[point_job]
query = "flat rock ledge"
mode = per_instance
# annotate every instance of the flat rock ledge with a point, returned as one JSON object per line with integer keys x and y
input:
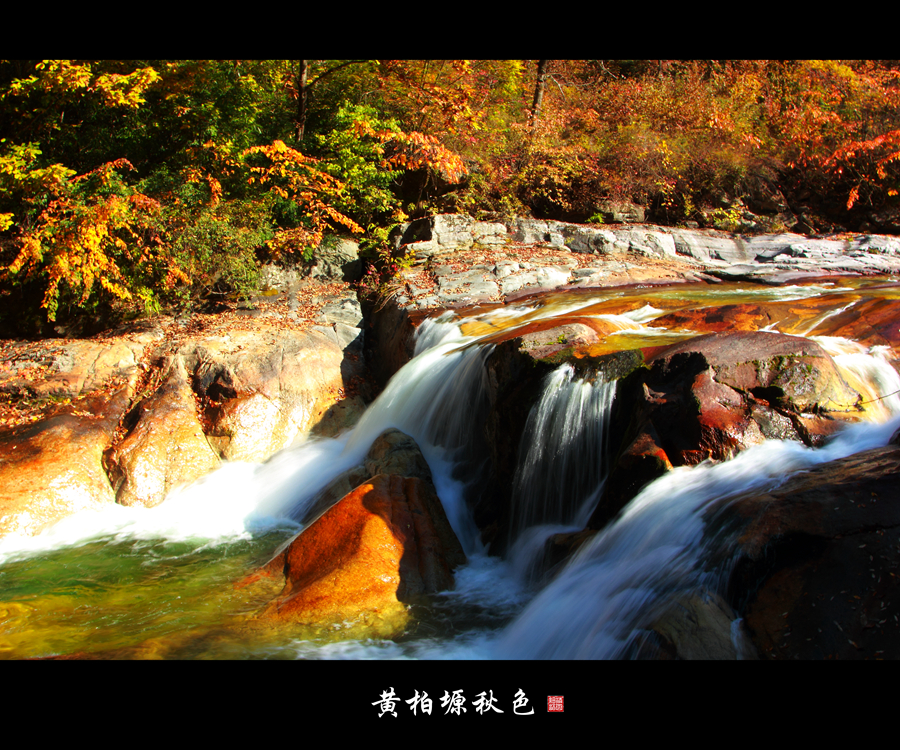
{"x": 458, "y": 261}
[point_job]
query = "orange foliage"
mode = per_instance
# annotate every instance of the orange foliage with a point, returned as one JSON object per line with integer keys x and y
{"x": 80, "y": 242}
{"x": 295, "y": 177}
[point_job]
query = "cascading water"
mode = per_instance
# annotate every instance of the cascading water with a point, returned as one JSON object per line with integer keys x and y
{"x": 562, "y": 463}
{"x": 596, "y": 607}
{"x": 617, "y": 583}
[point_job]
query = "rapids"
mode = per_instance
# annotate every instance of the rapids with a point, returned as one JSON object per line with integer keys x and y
{"x": 160, "y": 582}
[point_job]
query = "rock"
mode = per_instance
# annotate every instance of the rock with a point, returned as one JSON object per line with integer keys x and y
{"x": 740, "y": 317}
{"x": 340, "y": 417}
{"x": 167, "y": 446}
{"x": 54, "y": 468}
{"x": 239, "y": 394}
{"x": 708, "y": 246}
{"x": 266, "y": 387}
{"x": 815, "y": 560}
{"x": 72, "y": 369}
{"x": 872, "y": 322}
{"x": 646, "y": 242}
{"x": 546, "y": 278}
{"x": 791, "y": 370}
{"x": 360, "y": 565}
{"x": 543, "y": 341}
{"x": 531, "y": 231}
{"x": 590, "y": 240}
{"x": 621, "y": 212}
{"x": 337, "y": 258}
{"x": 275, "y": 277}
{"x": 394, "y": 452}
{"x": 490, "y": 233}
{"x": 389, "y": 338}
{"x": 701, "y": 626}
{"x": 453, "y": 230}
{"x": 346, "y": 311}
{"x": 714, "y": 395}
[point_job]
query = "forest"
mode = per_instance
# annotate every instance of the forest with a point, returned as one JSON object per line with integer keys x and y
{"x": 130, "y": 188}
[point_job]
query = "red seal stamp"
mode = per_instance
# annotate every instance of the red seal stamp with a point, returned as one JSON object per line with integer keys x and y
{"x": 554, "y": 703}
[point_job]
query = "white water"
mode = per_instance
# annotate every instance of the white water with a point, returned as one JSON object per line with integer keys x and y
{"x": 562, "y": 463}
{"x": 608, "y": 591}
{"x": 605, "y": 595}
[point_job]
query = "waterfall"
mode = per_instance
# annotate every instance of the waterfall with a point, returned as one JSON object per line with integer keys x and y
{"x": 562, "y": 462}
{"x": 619, "y": 581}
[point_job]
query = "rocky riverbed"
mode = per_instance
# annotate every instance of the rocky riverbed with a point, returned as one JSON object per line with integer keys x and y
{"x": 128, "y": 416}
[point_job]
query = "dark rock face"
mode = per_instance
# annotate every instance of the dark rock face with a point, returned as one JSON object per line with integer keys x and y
{"x": 390, "y": 340}
{"x": 816, "y": 572}
{"x": 714, "y": 395}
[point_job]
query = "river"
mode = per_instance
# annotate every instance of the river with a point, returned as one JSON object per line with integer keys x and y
{"x": 160, "y": 582}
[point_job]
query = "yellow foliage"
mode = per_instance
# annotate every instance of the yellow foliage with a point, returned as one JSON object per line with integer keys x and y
{"x": 66, "y": 76}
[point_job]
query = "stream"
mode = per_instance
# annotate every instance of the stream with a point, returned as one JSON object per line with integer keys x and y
{"x": 160, "y": 582}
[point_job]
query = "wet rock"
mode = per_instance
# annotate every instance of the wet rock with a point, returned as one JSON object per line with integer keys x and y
{"x": 265, "y": 387}
{"x": 540, "y": 342}
{"x": 54, "y": 468}
{"x": 796, "y": 372}
{"x": 701, "y": 626}
{"x": 873, "y": 322}
{"x": 394, "y": 452}
{"x": 740, "y": 317}
{"x": 389, "y": 338}
{"x": 237, "y": 394}
{"x": 715, "y": 395}
{"x": 816, "y": 561}
{"x": 359, "y": 566}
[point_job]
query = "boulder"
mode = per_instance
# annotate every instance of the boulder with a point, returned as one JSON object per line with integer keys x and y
{"x": 337, "y": 259}
{"x": 167, "y": 446}
{"x": 53, "y": 468}
{"x": 709, "y": 246}
{"x": 791, "y": 370}
{"x": 815, "y": 562}
{"x": 263, "y": 388}
{"x": 384, "y": 546}
{"x": 714, "y": 395}
{"x": 699, "y": 626}
{"x": 237, "y": 395}
{"x": 621, "y": 212}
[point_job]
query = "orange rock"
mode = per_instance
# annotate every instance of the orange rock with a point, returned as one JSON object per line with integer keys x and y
{"x": 166, "y": 448}
{"x": 382, "y": 546}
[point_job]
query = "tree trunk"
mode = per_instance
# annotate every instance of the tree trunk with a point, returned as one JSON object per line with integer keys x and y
{"x": 542, "y": 72}
{"x": 302, "y": 98}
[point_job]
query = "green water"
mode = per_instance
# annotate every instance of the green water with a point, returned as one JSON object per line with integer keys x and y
{"x": 155, "y": 598}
